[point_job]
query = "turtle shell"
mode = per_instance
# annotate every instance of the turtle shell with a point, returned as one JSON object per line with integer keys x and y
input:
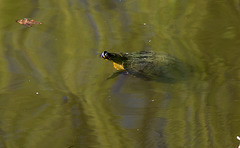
{"x": 151, "y": 65}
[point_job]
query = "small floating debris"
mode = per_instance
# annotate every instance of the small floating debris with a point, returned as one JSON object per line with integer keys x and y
{"x": 37, "y": 93}
{"x": 28, "y": 22}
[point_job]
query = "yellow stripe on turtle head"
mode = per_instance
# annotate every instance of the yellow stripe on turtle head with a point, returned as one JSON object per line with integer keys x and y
{"x": 103, "y": 55}
{"x": 118, "y": 66}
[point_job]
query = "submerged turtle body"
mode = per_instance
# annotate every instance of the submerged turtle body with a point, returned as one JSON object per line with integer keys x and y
{"x": 148, "y": 65}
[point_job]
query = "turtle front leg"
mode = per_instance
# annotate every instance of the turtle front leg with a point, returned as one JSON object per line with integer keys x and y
{"x": 115, "y": 74}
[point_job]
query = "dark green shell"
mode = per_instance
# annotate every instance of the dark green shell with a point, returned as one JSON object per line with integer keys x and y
{"x": 151, "y": 65}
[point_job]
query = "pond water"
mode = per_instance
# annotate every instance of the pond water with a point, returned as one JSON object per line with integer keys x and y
{"x": 54, "y": 90}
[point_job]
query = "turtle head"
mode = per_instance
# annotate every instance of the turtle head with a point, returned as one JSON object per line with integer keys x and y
{"x": 117, "y": 58}
{"x": 105, "y": 55}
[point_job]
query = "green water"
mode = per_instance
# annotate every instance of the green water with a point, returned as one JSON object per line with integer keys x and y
{"x": 53, "y": 87}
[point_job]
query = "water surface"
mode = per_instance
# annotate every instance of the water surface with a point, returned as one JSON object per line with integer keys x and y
{"x": 53, "y": 87}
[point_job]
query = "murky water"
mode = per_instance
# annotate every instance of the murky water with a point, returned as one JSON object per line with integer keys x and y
{"x": 53, "y": 87}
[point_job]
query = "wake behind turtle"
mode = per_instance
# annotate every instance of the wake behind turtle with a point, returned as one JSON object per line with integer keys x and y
{"x": 148, "y": 65}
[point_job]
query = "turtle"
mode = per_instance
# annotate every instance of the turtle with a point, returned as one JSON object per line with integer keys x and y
{"x": 148, "y": 65}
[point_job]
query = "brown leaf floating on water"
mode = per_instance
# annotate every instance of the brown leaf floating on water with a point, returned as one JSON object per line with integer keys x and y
{"x": 28, "y": 22}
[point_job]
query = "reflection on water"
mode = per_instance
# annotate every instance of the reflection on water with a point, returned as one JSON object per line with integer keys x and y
{"x": 54, "y": 91}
